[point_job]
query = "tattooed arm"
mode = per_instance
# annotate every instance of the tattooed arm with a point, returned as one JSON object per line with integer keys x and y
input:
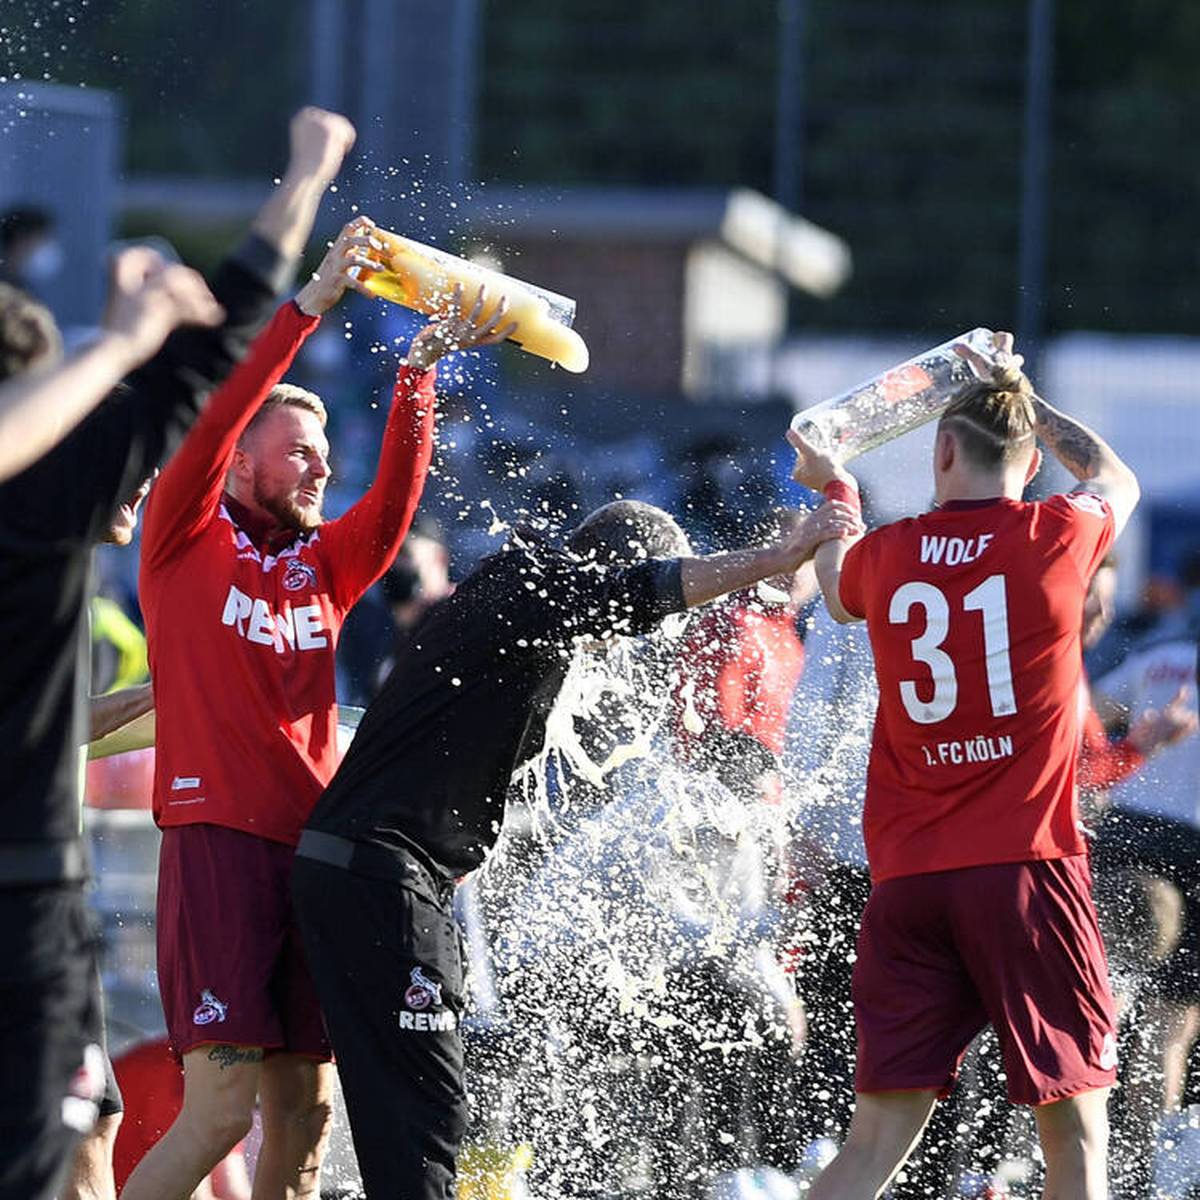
{"x": 1089, "y": 458}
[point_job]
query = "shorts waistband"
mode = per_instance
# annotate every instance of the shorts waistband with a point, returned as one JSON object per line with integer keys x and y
{"x": 42, "y": 862}
{"x": 395, "y": 865}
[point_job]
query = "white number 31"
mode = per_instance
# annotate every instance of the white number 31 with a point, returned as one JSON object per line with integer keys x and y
{"x": 989, "y": 599}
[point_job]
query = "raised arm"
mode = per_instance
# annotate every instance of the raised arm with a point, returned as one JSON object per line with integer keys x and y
{"x": 185, "y": 497}
{"x": 1084, "y": 453}
{"x": 188, "y": 491}
{"x": 822, "y": 472}
{"x": 320, "y": 141}
{"x": 115, "y": 450}
{"x": 1089, "y": 458}
{"x": 362, "y": 544}
{"x": 707, "y": 578}
{"x": 148, "y": 298}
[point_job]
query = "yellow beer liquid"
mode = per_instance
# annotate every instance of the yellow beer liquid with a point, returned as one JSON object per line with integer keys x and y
{"x": 491, "y": 1172}
{"x": 422, "y": 278}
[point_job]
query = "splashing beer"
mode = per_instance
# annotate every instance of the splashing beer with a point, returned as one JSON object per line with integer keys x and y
{"x": 423, "y": 278}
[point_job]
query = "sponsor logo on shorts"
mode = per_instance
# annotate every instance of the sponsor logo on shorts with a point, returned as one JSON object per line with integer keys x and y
{"x": 422, "y": 992}
{"x": 1108, "y": 1052}
{"x": 183, "y": 783}
{"x": 299, "y": 575}
{"x": 209, "y": 1009}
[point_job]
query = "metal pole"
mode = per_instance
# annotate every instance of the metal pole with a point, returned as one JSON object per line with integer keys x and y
{"x": 789, "y": 115}
{"x": 378, "y": 69}
{"x": 326, "y": 48}
{"x": 789, "y": 132}
{"x": 464, "y": 79}
{"x": 1035, "y": 172}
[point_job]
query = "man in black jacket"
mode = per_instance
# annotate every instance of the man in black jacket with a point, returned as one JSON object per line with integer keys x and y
{"x": 51, "y": 515}
{"x": 419, "y": 800}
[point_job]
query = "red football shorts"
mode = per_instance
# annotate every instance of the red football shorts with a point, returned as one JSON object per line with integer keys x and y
{"x": 231, "y": 968}
{"x": 1015, "y": 944}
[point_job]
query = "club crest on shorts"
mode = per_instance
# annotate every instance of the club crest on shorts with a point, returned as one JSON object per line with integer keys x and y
{"x": 88, "y": 1081}
{"x": 422, "y": 992}
{"x": 80, "y": 1105}
{"x": 299, "y": 575}
{"x": 1108, "y": 1052}
{"x": 209, "y": 1009}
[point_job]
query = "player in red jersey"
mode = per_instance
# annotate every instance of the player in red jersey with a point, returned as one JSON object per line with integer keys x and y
{"x": 244, "y": 588}
{"x": 981, "y": 905}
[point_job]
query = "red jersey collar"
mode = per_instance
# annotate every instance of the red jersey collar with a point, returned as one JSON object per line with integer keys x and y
{"x": 966, "y": 505}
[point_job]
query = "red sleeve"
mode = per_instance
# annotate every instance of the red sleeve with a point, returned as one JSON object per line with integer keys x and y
{"x": 851, "y": 584}
{"x": 185, "y": 497}
{"x": 1091, "y": 528}
{"x": 1104, "y": 763}
{"x": 361, "y": 545}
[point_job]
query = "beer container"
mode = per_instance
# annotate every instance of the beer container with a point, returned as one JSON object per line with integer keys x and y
{"x": 423, "y": 278}
{"x": 894, "y": 403}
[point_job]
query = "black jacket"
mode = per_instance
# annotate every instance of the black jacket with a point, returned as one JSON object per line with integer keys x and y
{"x": 467, "y": 699}
{"x": 52, "y": 515}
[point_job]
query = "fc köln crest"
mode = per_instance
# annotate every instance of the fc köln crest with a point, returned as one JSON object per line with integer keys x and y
{"x": 209, "y": 1009}
{"x": 299, "y": 575}
{"x": 422, "y": 992}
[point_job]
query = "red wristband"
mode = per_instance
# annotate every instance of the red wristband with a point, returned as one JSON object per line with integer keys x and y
{"x": 839, "y": 489}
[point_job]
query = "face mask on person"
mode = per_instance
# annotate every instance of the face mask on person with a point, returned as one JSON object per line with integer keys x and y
{"x": 44, "y": 262}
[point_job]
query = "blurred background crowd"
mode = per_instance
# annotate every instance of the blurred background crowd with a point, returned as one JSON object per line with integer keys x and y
{"x": 753, "y": 210}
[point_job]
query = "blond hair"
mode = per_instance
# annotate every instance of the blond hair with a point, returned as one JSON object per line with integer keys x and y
{"x": 993, "y": 422}
{"x": 288, "y": 395}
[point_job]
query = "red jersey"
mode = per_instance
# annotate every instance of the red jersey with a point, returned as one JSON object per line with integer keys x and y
{"x": 974, "y": 613}
{"x": 242, "y": 641}
{"x": 743, "y": 663}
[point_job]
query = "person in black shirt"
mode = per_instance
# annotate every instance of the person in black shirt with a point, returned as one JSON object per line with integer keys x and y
{"x": 51, "y": 515}
{"x": 419, "y": 800}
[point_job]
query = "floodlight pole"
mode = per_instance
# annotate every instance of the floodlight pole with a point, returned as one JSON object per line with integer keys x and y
{"x": 1035, "y": 176}
{"x": 789, "y": 103}
{"x": 465, "y": 37}
{"x": 326, "y": 36}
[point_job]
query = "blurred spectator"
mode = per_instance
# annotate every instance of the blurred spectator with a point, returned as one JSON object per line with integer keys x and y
{"x": 379, "y": 626}
{"x": 721, "y": 503}
{"x": 1153, "y": 830}
{"x": 740, "y": 664}
{"x": 118, "y": 648}
{"x": 418, "y": 579}
{"x": 1161, "y": 601}
{"x": 30, "y": 252}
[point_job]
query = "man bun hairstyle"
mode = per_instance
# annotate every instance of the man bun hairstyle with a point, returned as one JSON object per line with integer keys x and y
{"x": 993, "y": 421}
{"x": 288, "y": 395}
{"x": 28, "y": 335}
{"x": 628, "y": 531}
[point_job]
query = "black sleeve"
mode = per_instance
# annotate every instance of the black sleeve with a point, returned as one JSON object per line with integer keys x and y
{"x": 77, "y": 486}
